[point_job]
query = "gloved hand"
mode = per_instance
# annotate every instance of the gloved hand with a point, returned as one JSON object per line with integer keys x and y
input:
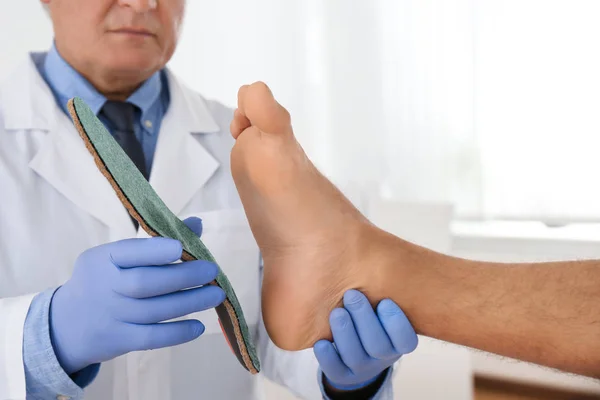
{"x": 118, "y": 294}
{"x": 365, "y": 344}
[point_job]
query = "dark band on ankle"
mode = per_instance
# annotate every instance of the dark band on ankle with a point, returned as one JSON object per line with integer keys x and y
{"x": 368, "y": 392}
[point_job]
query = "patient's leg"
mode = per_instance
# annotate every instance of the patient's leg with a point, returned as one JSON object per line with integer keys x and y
{"x": 316, "y": 246}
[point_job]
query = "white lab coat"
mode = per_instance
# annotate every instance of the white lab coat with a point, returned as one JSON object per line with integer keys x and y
{"x": 54, "y": 204}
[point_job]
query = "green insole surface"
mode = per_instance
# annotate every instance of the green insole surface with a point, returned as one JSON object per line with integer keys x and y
{"x": 153, "y": 210}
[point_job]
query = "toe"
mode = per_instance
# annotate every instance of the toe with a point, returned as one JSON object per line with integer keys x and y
{"x": 257, "y": 103}
{"x": 239, "y": 123}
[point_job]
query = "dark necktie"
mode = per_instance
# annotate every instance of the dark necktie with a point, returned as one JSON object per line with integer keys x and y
{"x": 120, "y": 116}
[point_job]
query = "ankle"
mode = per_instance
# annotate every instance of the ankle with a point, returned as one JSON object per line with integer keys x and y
{"x": 376, "y": 262}
{"x": 419, "y": 280}
{"x": 395, "y": 269}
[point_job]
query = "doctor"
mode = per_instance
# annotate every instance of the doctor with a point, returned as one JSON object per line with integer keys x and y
{"x": 79, "y": 297}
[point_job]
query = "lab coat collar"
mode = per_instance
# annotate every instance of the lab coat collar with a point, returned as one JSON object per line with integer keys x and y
{"x": 62, "y": 160}
{"x": 181, "y": 166}
{"x": 66, "y": 82}
{"x": 36, "y": 108}
{"x": 193, "y": 108}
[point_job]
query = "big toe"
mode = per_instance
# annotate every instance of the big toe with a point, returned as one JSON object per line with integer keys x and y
{"x": 257, "y": 104}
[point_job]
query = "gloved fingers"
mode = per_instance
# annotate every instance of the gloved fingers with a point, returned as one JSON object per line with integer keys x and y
{"x": 330, "y": 361}
{"x": 156, "y": 336}
{"x": 347, "y": 341}
{"x": 372, "y": 335}
{"x": 131, "y": 253}
{"x": 398, "y": 327}
{"x": 144, "y": 282}
{"x": 169, "y": 306}
{"x": 195, "y": 224}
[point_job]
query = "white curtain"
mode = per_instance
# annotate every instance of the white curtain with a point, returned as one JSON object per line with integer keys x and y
{"x": 491, "y": 105}
{"x": 427, "y": 77}
{"x": 381, "y": 92}
{"x": 538, "y": 107}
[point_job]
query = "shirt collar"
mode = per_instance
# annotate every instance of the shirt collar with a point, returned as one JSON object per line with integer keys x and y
{"x": 68, "y": 83}
{"x": 147, "y": 94}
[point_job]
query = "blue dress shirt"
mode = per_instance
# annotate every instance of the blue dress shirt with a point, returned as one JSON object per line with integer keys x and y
{"x": 152, "y": 98}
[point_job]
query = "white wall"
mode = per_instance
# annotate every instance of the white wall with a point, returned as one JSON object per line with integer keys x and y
{"x": 379, "y": 91}
{"x": 23, "y": 27}
{"x": 318, "y": 64}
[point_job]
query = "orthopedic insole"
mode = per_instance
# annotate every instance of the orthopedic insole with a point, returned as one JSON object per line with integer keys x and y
{"x": 146, "y": 207}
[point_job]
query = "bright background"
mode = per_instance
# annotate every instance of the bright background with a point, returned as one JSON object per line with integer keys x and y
{"x": 444, "y": 120}
{"x": 491, "y": 105}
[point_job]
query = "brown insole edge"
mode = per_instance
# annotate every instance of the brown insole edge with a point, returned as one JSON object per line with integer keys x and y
{"x": 229, "y": 322}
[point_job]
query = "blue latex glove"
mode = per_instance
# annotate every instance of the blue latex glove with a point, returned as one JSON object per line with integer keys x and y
{"x": 120, "y": 292}
{"x": 365, "y": 344}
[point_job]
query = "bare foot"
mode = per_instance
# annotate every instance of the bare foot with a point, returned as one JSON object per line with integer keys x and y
{"x": 308, "y": 232}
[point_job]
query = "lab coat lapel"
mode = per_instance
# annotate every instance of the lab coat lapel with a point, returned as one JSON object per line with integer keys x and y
{"x": 182, "y": 166}
{"x": 62, "y": 159}
{"x": 64, "y": 162}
